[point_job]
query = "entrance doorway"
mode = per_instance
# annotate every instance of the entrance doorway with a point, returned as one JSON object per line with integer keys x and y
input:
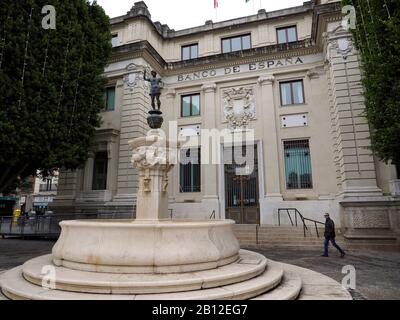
{"x": 241, "y": 186}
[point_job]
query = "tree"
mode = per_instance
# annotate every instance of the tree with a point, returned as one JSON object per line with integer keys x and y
{"x": 51, "y": 85}
{"x": 377, "y": 37}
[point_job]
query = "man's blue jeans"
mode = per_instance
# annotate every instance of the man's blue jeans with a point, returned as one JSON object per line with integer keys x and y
{"x": 326, "y": 244}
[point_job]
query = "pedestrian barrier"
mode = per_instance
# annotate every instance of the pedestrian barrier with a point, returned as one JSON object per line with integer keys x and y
{"x": 49, "y": 226}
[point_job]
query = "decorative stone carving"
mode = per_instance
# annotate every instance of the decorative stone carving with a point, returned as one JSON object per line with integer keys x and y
{"x": 239, "y": 106}
{"x": 212, "y": 87}
{"x": 315, "y": 73}
{"x": 149, "y": 156}
{"x": 165, "y": 182}
{"x": 371, "y": 218}
{"x": 343, "y": 46}
{"x": 134, "y": 77}
{"x": 269, "y": 79}
{"x": 338, "y": 40}
{"x": 154, "y": 157}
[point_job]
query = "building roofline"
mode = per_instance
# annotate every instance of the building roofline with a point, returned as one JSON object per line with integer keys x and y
{"x": 140, "y": 10}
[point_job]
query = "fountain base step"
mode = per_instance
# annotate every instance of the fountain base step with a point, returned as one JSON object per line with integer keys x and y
{"x": 248, "y": 266}
{"x": 254, "y": 278}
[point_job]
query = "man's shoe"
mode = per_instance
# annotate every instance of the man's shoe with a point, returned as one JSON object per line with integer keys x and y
{"x": 342, "y": 255}
{"x": 323, "y": 255}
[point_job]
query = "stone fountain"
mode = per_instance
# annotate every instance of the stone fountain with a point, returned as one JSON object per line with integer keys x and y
{"x": 154, "y": 257}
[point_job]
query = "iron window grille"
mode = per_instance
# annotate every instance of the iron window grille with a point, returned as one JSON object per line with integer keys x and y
{"x": 190, "y": 171}
{"x": 297, "y": 164}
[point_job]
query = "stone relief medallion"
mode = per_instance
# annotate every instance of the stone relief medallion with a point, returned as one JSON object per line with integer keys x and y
{"x": 339, "y": 40}
{"x": 239, "y": 107}
{"x": 343, "y": 47}
{"x": 131, "y": 80}
{"x": 134, "y": 77}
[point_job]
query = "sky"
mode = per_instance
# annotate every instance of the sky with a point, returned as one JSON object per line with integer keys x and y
{"x": 182, "y": 14}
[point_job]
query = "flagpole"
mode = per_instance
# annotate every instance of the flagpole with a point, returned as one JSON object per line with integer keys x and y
{"x": 216, "y": 5}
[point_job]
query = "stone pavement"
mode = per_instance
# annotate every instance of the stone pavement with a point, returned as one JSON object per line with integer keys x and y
{"x": 377, "y": 273}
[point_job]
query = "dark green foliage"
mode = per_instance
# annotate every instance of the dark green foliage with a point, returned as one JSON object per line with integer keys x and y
{"x": 377, "y": 37}
{"x": 48, "y": 120}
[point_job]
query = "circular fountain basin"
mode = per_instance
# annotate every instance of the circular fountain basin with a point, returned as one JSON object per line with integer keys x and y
{"x": 133, "y": 246}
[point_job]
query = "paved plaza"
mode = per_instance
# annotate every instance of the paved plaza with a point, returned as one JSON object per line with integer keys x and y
{"x": 377, "y": 273}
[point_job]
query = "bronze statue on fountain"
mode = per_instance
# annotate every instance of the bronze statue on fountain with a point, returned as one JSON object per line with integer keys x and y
{"x": 155, "y": 119}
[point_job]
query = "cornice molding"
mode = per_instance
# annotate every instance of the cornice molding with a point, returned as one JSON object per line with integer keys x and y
{"x": 260, "y": 54}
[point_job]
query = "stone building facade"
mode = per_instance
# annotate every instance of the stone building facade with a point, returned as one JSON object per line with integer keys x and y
{"x": 286, "y": 83}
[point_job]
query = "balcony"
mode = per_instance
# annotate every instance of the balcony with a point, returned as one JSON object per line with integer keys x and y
{"x": 243, "y": 54}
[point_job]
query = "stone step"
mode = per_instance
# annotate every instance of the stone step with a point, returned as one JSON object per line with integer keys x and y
{"x": 269, "y": 235}
{"x": 288, "y": 289}
{"x": 312, "y": 286}
{"x": 16, "y": 287}
{"x": 249, "y": 265}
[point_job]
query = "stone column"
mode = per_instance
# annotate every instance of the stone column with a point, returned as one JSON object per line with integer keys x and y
{"x": 169, "y": 106}
{"x": 354, "y": 159}
{"x": 365, "y": 212}
{"x": 135, "y": 104}
{"x": 209, "y": 174}
{"x": 88, "y": 173}
{"x": 270, "y": 139}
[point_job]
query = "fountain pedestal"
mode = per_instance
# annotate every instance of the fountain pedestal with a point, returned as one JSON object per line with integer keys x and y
{"x": 154, "y": 157}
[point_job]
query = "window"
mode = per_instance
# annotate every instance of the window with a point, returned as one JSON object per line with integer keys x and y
{"x": 397, "y": 170}
{"x": 286, "y": 35}
{"x": 297, "y": 164}
{"x": 100, "y": 171}
{"x": 190, "y": 171}
{"x": 114, "y": 40}
{"x": 190, "y": 52}
{"x": 190, "y": 105}
{"x": 110, "y": 99}
{"x": 236, "y": 43}
{"x": 292, "y": 92}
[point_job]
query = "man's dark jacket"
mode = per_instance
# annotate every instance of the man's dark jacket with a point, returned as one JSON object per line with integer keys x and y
{"x": 329, "y": 228}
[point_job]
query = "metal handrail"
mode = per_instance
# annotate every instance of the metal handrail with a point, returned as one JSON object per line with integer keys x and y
{"x": 303, "y": 219}
{"x": 212, "y": 216}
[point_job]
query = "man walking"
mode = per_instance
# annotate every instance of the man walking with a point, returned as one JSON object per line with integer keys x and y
{"x": 330, "y": 236}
